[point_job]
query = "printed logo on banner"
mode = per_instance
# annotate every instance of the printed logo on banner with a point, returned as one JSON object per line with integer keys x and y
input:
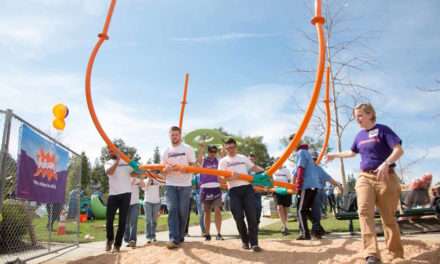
{"x": 41, "y": 168}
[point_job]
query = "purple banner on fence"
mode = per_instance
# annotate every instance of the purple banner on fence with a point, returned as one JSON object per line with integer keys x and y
{"x": 41, "y": 168}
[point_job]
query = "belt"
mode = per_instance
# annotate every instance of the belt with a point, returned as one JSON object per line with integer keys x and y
{"x": 391, "y": 170}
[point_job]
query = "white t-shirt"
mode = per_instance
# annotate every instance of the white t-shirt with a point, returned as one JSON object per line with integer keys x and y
{"x": 134, "y": 191}
{"x": 120, "y": 181}
{"x": 182, "y": 155}
{"x": 151, "y": 190}
{"x": 282, "y": 175}
{"x": 239, "y": 163}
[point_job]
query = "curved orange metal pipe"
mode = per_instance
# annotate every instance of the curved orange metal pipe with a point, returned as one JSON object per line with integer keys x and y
{"x": 102, "y": 37}
{"x": 221, "y": 173}
{"x": 317, "y": 21}
{"x": 328, "y": 117}
{"x": 182, "y": 108}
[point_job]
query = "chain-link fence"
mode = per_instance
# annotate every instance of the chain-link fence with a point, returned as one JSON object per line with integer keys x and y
{"x": 30, "y": 229}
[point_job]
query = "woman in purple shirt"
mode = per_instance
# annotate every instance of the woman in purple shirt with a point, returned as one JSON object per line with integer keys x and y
{"x": 210, "y": 192}
{"x": 378, "y": 185}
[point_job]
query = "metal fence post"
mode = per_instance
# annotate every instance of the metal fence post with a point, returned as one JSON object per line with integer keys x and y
{"x": 4, "y": 153}
{"x": 78, "y": 187}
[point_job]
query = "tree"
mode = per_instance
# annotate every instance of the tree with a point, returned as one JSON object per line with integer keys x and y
{"x": 251, "y": 145}
{"x": 255, "y": 146}
{"x": 11, "y": 176}
{"x": 85, "y": 172}
{"x": 315, "y": 145}
{"x": 73, "y": 174}
{"x": 98, "y": 176}
{"x": 346, "y": 53}
{"x": 119, "y": 143}
{"x": 156, "y": 155}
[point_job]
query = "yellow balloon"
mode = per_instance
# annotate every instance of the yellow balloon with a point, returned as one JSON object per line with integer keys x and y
{"x": 60, "y": 111}
{"x": 59, "y": 124}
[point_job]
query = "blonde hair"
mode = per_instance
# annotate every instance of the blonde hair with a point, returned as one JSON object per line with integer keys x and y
{"x": 368, "y": 109}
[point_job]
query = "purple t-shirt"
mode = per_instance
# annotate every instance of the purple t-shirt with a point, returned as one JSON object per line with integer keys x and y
{"x": 207, "y": 178}
{"x": 375, "y": 145}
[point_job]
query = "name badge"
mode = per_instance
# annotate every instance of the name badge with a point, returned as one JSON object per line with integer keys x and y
{"x": 373, "y": 133}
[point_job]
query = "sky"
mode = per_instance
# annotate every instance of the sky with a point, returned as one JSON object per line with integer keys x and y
{"x": 242, "y": 57}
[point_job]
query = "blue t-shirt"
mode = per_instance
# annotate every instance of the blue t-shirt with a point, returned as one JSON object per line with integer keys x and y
{"x": 375, "y": 146}
{"x": 305, "y": 160}
{"x": 323, "y": 176}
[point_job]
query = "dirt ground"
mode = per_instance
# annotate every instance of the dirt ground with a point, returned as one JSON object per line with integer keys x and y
{"x": 326, "y": 251}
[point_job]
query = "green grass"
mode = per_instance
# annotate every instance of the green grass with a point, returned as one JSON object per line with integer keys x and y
{"x": 96, "y": 228}
{"x": 330, "y": 224}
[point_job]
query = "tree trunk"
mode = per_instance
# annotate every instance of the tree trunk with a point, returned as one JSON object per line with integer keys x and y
{"x": 337, "y": 128}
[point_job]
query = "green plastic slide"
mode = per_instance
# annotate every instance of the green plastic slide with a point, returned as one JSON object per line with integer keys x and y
{"x": 98, "y": 208}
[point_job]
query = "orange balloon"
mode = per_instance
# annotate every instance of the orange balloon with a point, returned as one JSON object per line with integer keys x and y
{"x": 59, "y": 124}
{"x": 60, "y": 111}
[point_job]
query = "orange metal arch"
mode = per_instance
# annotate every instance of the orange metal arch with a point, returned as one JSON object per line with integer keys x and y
{"x": 318, "y": 21}
{"x": 182, "y": 108}
{"x": 328, "y": 117}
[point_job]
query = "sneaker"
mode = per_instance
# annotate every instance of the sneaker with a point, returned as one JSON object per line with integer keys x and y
{"x": 316, "y": 236}
{"x": 154, "y": 240}
{"x": 116, "y": 249}
{"x": 245, "y": 246}
{"x": 285, "y": 231}
{"x": 219, "y": 237}
{"x": 172, "y": 245}
{"x": 302, "y": 237}
{"x": 372, "y": 260}
{"x": 132, "y": 244}
{"x": 256, "y": 249}
{"x": 108, "y": 246}
{"x": 207, "y": 237}
{"x": 149, "y": 241}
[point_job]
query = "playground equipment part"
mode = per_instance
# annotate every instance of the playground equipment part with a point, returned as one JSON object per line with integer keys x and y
{"x": 262, "y": 179}
{"x": 99, "y": 210}
{"x": 328, "y": 126}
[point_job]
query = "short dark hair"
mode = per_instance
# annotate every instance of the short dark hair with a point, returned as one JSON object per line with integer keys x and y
{"x": 212, "y": 148}
{"x": 252, "y": 155}
{"x": 175, "y": 128}
{"x": 292, "y": 136}
{"x": 231, "y": 141}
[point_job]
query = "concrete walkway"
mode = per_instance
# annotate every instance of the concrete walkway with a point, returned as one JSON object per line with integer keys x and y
{"x": 229, "y": 231}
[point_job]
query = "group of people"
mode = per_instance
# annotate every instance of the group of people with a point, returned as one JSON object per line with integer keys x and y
{"x": 124, "y": 196}
{"x": 377, "y": 186}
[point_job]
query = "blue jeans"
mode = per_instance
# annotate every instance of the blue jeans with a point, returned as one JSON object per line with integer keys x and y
{"x": 151, "y": 211}
{"x": 131, "y": 225}
{"x": 178, "y": 199}
{"x": 200, "y": 212}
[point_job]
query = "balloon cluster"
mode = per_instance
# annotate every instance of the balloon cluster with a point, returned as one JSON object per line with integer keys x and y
{"x": 60, "y": 112}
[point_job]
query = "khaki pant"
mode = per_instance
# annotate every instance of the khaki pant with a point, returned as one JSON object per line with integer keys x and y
{"x": 385, "y": 195}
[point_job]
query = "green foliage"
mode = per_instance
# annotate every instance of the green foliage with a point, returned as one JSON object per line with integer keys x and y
{"x": 11, "y": 171}
{"x": 14, "y": 223}
{"x": 85, "y": 172}
{"x": 246, "y": 145}
{"x": 119, "y": 143}
{"x": 98, "y": 176}
{"x": 255, "y": 145}
{"x": 315, "y": 145}
{"x": 351, "y": 183}
{"x": 156, "y": 155}
{"x": 73, "y": 172}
